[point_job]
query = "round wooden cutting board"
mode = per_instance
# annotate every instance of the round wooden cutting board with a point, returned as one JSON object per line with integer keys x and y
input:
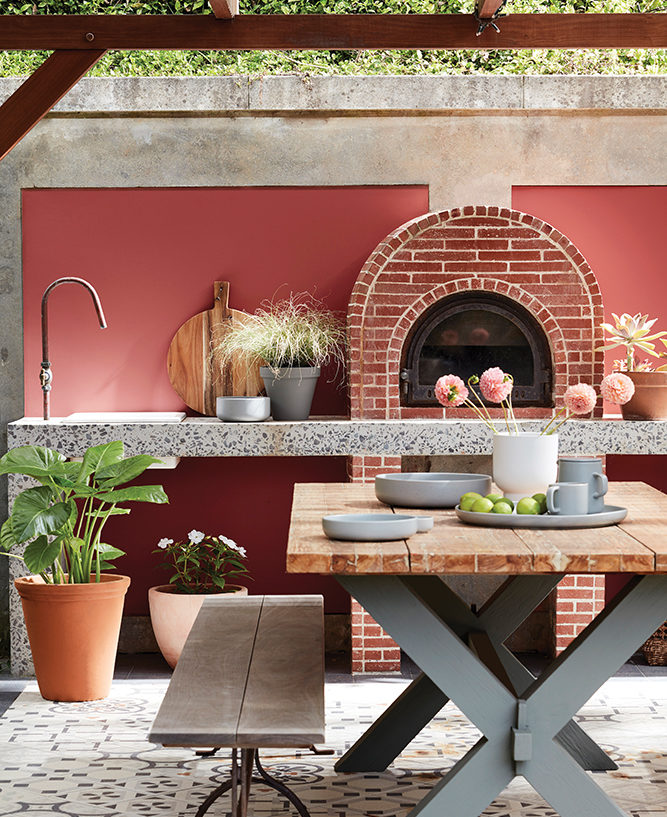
{"x": 194, "y": 367}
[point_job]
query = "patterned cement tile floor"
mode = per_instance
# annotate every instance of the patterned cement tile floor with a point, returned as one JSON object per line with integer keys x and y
{"x": 92, "y": 759}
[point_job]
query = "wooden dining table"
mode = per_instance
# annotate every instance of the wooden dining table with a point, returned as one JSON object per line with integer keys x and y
{"x": 526, "y": 722}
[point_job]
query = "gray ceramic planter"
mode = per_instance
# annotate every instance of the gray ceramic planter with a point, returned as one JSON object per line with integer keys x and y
{"x": 291, "y": 390}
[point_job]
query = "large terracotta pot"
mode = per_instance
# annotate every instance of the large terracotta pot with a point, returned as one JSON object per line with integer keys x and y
{"x": 524, "y": 464}
{"x": 649, "y": 402}
{"x": 73, "y": 631}
{"x": 174, "y": 613}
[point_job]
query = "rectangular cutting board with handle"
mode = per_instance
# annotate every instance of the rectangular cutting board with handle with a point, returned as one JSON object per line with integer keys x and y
{"x": 194, "y": 367}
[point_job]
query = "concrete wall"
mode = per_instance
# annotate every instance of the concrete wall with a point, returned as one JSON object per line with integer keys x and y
{"x": 469, "y": 138}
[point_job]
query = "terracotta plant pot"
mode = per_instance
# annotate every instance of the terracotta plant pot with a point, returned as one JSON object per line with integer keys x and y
{"x": 73, "y": 631}
{"x": 174, "y": 613}
{"x": 649, "y": 402}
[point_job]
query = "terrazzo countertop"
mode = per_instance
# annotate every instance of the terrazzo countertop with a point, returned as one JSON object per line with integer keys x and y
{"x": 327, "y": 436}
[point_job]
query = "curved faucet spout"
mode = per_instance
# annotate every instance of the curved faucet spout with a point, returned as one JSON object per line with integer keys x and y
{"x": 46, "y": 375}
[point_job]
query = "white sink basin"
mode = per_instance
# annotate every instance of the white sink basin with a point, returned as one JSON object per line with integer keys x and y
{"x": 125, "y": 417}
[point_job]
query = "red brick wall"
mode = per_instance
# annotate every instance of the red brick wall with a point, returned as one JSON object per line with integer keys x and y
{"x": 474, "y": 248}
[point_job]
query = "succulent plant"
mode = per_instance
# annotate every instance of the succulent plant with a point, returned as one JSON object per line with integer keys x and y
{"x": 631, "y": 331}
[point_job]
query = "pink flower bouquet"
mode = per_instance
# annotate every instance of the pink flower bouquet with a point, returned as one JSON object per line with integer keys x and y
{"x": 496, "y": 386}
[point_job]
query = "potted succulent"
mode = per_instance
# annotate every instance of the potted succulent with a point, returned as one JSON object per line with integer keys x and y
{"x": 201, "y": 566}
{"x": 524, "y": 463}
{"x": 72, "y": 606}
{"x": 291, "y": 339}
{"x": 649, "y": 400}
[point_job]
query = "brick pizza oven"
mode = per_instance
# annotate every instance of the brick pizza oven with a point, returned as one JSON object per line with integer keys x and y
{"x": 437, "y": 290}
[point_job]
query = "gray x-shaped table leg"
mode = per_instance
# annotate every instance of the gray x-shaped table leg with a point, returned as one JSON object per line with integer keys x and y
{"x": 520, "y": 731}
{"x": 423, "y": 699}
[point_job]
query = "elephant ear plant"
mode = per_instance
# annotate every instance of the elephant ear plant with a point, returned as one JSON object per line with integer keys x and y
{"x": 63, "y": 518}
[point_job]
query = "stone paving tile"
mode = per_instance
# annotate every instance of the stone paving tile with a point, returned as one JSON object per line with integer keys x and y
{"x": 92, "y": 759}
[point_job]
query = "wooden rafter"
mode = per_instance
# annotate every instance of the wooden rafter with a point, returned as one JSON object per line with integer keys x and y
{"x": 330, "y": 31}
{"x": 224, "y": 9}
{"x": 40, "y": 92}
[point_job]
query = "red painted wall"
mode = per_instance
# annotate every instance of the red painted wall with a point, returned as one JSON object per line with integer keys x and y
{"x": 620, "y": 231}
{"x": 153, "y": 256}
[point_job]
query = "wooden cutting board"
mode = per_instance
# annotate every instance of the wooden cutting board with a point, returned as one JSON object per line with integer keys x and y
{"x": 194, "y": 368}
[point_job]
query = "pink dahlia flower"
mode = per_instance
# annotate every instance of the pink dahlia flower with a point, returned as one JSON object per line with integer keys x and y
{"x": 580, "y": 398}
{"x": 495, "y": 385}
{"x": 617, "y": 388}
{"x": 450, "y": 390}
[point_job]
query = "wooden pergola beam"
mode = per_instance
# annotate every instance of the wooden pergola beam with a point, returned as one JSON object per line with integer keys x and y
{"x": 487, "y": 8}
{"x": 224, "y": 9}
{"x": 40, "y": 92}
{"x": 330, "y": 31}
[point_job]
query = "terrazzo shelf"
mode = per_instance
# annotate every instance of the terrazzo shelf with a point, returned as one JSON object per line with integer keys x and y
{"x": 323, "y": 436}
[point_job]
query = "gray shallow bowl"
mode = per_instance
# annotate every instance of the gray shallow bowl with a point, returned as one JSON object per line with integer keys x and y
{"x": 428, "y": 490}
{"x": 242, "y": 409}
{"x": 374, "y": 527}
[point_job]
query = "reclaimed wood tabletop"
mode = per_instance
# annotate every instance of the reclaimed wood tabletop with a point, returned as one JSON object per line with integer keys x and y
{"x": 637, "y": 545}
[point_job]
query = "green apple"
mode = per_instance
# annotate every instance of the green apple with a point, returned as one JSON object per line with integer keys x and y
{"x": 541, "y": 499}
{"x": 482, "y": 505}
{"x": 528, "y": 505}
{"x": 501, "y": 507}
{"x": 494, "y": 497}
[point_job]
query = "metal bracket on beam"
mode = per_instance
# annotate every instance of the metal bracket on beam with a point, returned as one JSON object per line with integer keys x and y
{"x": 522, "y": 738}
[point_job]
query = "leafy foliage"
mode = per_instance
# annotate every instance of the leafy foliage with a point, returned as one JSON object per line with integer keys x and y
{"x": 62, "y": 519}
{"x": 198, "y": 63}
{"x": 202, "y": 564}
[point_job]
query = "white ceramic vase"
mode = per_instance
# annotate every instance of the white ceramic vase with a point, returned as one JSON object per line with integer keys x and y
{"x": 524, "y": 464}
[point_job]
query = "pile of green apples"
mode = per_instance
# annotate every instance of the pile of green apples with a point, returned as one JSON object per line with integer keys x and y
{"x": 496, "y": 503}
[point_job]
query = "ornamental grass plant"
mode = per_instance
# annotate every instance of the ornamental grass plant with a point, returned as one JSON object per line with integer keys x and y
{"x": 294, "y": 332}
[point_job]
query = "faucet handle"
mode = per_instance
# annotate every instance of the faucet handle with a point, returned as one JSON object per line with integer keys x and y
{"x": 45, "y": 376}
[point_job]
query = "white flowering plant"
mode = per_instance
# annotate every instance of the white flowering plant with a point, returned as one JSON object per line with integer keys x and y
{"x": 203, "y": 563}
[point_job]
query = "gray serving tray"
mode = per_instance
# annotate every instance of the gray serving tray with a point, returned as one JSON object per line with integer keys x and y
{"x": 609, "y": 516}
{"x": 431, "y": 489}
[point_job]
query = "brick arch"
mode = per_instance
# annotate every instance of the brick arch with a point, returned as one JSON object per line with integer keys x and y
{"x": 476, "y": 247}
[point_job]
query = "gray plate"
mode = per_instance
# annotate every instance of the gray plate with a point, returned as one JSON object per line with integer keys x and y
{"x": 434, "y": 489}
{"x": 609, "y": 516}
{"x": 374, "y": 527}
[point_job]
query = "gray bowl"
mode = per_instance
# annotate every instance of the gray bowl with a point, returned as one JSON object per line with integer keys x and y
{"x": 242, "y": 409}
{"x": 374, "y": 527}
{"x": 429, "y": 489}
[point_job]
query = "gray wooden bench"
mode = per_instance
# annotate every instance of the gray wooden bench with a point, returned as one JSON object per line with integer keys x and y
{"x": 251, "y": 676}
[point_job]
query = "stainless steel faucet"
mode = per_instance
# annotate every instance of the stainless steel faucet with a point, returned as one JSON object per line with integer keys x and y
{"x": 46, "y": 375}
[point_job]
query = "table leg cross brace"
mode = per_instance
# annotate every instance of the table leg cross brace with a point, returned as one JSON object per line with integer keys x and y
{"x": 423, "y": 699}
{"x": 521, "y": 729}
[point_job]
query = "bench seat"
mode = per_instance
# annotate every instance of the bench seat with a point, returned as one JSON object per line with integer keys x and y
{"x": 251, "y": 676}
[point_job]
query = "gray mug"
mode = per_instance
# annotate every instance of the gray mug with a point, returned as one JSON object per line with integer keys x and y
{"x": 589, "y": 470}
{"x": 568, "y": 498}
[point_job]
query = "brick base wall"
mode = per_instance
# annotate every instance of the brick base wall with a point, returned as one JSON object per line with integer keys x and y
{"x": 578, "y": 600}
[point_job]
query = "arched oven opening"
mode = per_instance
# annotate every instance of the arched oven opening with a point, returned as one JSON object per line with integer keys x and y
{"x": 468, "y": 332}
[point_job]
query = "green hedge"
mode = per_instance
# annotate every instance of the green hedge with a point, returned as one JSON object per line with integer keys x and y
{"x": 197, "y": 63}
